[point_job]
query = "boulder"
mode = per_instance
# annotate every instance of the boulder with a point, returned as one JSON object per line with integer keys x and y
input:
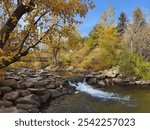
{"x": 92, "y": 81}
{"x": 9, "y": 110}
{"x": 37, "y": 91}
{"x": 117, "y": 81}
{"x": 51, "y": 86}
{"x": 31, "y": 99}
{"x": 59, "y": 82}
{"x": 101, "y": 83}
{"x": 12, "y": 96}
{"x": 43, "y": 83}
{"x": 24, "y": 93}
{"x": 44, "y": 96}
{"x": 9, "y": 83}
{"x": 6, "y": 104}
{"x": 5, "y": 89}
{"x": 55, "y": 93}
{"x": 34, "y": 80}
{"x": 120, "y": 81}
{"x": 145, "y": 82}
{"x": 138, "y": 82}
{"x": 28, "y": 85}
{"x": 27, "y": 108}
{"x": 14, "y": 77}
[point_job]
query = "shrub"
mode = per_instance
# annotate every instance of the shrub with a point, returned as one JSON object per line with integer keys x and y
{"x": 133, "y": 64}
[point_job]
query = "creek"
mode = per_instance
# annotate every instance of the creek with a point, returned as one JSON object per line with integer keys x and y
{"x": 116, "y": 99}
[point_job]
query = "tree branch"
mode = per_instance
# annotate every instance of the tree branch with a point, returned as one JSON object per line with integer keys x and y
{"x": 13, "y": 21}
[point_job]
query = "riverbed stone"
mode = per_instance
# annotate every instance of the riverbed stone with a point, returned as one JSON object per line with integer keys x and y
{"x": 10, "y": 83}
{"x": 12, "y": 96}
{"x": 6, "y": 104}
{"x": 51, "y": 86}
{"x": 24, "y": 93}
{"x": 14, "y": 77}
{"x": 34, "y": 80}
{"x": 37, "y": 91}
{"x": 5, "y": 89}
{"x": 55, "y": 93}
{"x": 92, "y": 81}
{"x": 101, "y": 83}
{"x": 27, "y": 108}
{"x": 146, "y": 82}
{"x": 9, "y": 110}
{"x": 31, "y": 99}
{"x": 43, "y": 83}
{"x": 28, "y": 85}
{"x": 44, "y": 96}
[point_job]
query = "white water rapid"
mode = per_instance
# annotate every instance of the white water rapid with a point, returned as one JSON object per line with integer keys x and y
{"x": 98, "y": 93}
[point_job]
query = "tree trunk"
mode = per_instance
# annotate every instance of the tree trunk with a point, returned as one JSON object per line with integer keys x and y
{"x": 13, "y": 21}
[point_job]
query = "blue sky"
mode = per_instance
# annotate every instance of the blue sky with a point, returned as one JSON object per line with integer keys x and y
{"x": 127, "y": 6}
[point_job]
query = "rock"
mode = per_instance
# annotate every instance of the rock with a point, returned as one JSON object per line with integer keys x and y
{"x": 51, "y": 86}
{"x": 6, "y": 104}
{"x": 90, "y": 76}
{"x": 117, "y": 81}
{"x": 34, "y": 80}
{"x": 101, "y": 83}
{"x": 27, "y": 108}
{"x": 28, "y": 85}
{"x": 59, "y": 82}
{"x": 12, "y": 96}
{"x": 120, "y": 81}
{"x": 131, "y": 83}
{"x": 9, "y": 110}
{"x": 146, "y": 82}
{"x": 108, "y": 82}
{"x": 37, "y": 91}
{"x": 5, "y": 89}
{"x": 43, "y": 83}
{"x": 31, "y": 99}
{"x": 54, "y": 93}
{"x": 92, "y": 81}
{"x": 138, "y": 82}
{"x": 9, "y": 83}
{"x": 14, "y": 77}
{"x": 24, "y": 93}
{"x": 99, "y": 76}
{"x": 70, "y": 68}
{"x": 111, "y": 73}
{"x": 44, "y": 97}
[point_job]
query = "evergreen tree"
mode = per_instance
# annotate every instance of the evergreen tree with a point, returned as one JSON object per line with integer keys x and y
{"x": 122, "y": 23}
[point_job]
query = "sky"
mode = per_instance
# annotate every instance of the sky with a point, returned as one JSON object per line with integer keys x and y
{"x": 127, "y": 6}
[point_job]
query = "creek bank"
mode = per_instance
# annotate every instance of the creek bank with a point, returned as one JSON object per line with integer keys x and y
{"x": 24, "y": 90}
{"x": 112, "y": 77}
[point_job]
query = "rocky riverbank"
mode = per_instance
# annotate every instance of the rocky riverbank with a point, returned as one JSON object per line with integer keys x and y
{"x": 112, "y": 77}
{"x": 24, "y": 90}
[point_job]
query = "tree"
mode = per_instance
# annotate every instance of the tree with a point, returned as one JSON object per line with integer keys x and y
{"x": 122, "y": 23}
{"x": 138, "y": 18}
{"x": 34, "y": 15}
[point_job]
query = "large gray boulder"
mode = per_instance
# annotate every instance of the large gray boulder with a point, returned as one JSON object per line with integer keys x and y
{"x": 5, "y": 89}
{"x": 31, "y": 99}
{"x": 24, "y": 93}
{"x": 12, "y": 96}
{"x": 6, "y": 104}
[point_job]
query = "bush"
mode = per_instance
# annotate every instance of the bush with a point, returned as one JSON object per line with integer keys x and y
{"x": 133, "y": 64}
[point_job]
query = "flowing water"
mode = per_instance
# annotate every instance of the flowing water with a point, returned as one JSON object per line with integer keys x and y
{"x": 110, "y": 99}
